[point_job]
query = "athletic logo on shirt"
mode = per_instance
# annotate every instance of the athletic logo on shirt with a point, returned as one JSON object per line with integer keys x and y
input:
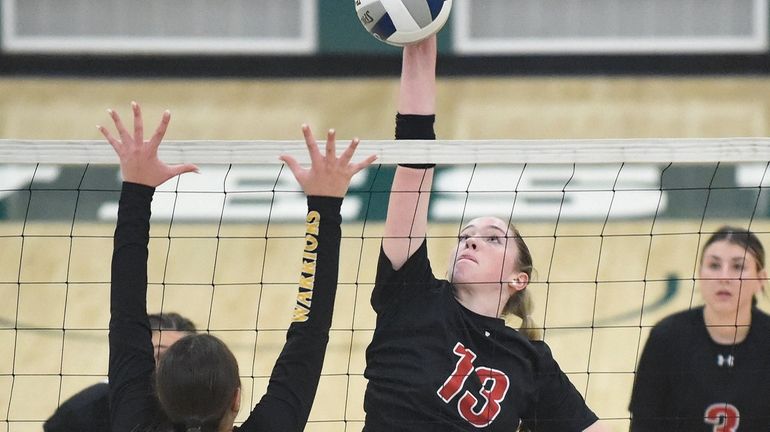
{"x": 723, "y": 416}
{"x": 725, "y": 361}
{"x": 307, "y": 279}
{"x": 494, "y": 386}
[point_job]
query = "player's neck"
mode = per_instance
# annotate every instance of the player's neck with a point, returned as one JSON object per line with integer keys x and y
{"x": 487, "y": 300}
{"x": 727, "y": 328}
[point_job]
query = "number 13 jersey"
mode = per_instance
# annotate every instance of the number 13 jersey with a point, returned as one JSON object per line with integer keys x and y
{"x": 434, "y": 365}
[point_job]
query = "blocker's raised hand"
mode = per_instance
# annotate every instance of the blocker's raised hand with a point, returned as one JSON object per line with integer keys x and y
{"x": 328, "y": 175}
{"x": 139, "y": 161}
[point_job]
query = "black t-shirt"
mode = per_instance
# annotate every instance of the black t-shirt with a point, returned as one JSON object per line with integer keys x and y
{"x": 86, "y": 411}
{"x": 434, "y": 365}
{"x": 294, "y": 380}
{"x": 686, "y": 381}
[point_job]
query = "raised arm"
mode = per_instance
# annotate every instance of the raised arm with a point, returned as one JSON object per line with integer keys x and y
{"x": 294, "y": 380}
{"x": 132, "y": 363}
{"x": 407, "y": 218}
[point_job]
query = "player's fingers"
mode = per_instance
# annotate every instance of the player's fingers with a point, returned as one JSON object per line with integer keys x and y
{"x": 113, "y": 142}
{"x": 312, "y": 146}
{"x": 363, "y": 164}
{"x": 331, "y": 145}
{"x": 122, "y": 132}
{"x": 293, "y": 165}
{"x": 160, "y": 132}
{"x": 347, "y": 155}
{"x": 184, "y": 168}
{"x": 138, "y": 124}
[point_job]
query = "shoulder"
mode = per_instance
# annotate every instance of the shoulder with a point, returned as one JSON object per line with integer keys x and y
{"x": 543, "y": 356}
{"x": 679, "y": 322}
{"x": 87, "y": 410}
{"x": 91, "y": 395}
{"x": 760, "y": 319}
{"x": 541, "y": 348}
{"x": 671, "y": 332}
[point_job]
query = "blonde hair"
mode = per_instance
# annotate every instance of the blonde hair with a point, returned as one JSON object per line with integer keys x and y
{"x": 520, "y": 303}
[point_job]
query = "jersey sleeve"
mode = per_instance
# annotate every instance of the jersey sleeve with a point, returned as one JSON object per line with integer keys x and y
{"x": 558, "y": 405}
{"x": 131, "y": 361}
{"x": 390, "y": 284}
{"x": 651, "y": 386}
{"x": 294, "y": 380}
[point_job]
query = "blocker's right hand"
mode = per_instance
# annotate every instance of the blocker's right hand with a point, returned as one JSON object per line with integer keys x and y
{"x": 328, "y": 175}
{"x": 139, "y": 161}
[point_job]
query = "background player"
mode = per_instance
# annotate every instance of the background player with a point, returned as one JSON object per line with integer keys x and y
{"x": 441, "y": 358}
{"x": 706, "y": 369}
{"x": 89, "y": 409}
{"x": 197, "y": 385}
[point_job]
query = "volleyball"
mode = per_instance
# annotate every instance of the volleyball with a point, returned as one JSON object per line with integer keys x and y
{"x": 403, "y": 22}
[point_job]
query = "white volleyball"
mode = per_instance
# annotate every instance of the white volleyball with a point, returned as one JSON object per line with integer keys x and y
{"x": 403, "y": 22}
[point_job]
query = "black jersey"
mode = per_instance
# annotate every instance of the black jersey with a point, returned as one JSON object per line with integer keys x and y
{"x": 86, "y": 411}
{"x": 294, "y": 380}
{"x": 687, "y": 382}
{"x": 434, "y": 365}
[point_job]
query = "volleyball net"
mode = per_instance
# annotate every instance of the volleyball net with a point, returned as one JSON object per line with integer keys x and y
{"x": 615, "y": 228}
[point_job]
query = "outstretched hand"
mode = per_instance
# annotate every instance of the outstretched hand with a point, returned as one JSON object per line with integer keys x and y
{"x": 328, "y": 175}
{"x": 139, "y": 161}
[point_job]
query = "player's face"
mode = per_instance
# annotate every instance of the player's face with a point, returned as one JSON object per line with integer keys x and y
{"x": 485, "y": 253}
{"x": 729, "y": 277}
{"x": 161, "y": 340}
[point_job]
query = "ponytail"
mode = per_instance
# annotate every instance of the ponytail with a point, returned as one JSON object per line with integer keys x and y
{"x": 521, "y": 305}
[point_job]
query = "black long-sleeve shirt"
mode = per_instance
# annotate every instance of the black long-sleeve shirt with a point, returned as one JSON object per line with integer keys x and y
{"x": 294, "y": 380}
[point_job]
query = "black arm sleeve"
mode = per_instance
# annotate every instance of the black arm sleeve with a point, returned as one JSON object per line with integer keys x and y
{"x": 294, "y": 381}
{"x": 415, "y": 126}
{"x": 131, "y": 358}
{"x": 651, "y": 386}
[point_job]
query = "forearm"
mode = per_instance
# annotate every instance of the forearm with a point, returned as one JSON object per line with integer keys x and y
{"x": 129, "y": 257}
{"x": 320, "y": 264}
{"x": 131, "y": 362}
{"x": 297, "y": 371}
{"x": 407, "y": 219}
{"x": 417, "y": 91}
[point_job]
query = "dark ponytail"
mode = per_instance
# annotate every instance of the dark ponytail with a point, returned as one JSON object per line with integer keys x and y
{"x": 196, "y": 381}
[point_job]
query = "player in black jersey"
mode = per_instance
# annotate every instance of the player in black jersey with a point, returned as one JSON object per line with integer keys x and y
{"x": 708, "y": 368}
{"x": 442, "y": 358}
{"x": 196, "y": 387}
{"x": 89, "y": 409}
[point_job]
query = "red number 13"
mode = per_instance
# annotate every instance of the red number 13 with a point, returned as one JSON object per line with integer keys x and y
{"x": 466, "y": 405}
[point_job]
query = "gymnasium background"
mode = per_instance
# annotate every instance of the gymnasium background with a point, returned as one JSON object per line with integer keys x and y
{"x": 256, "y": 70}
